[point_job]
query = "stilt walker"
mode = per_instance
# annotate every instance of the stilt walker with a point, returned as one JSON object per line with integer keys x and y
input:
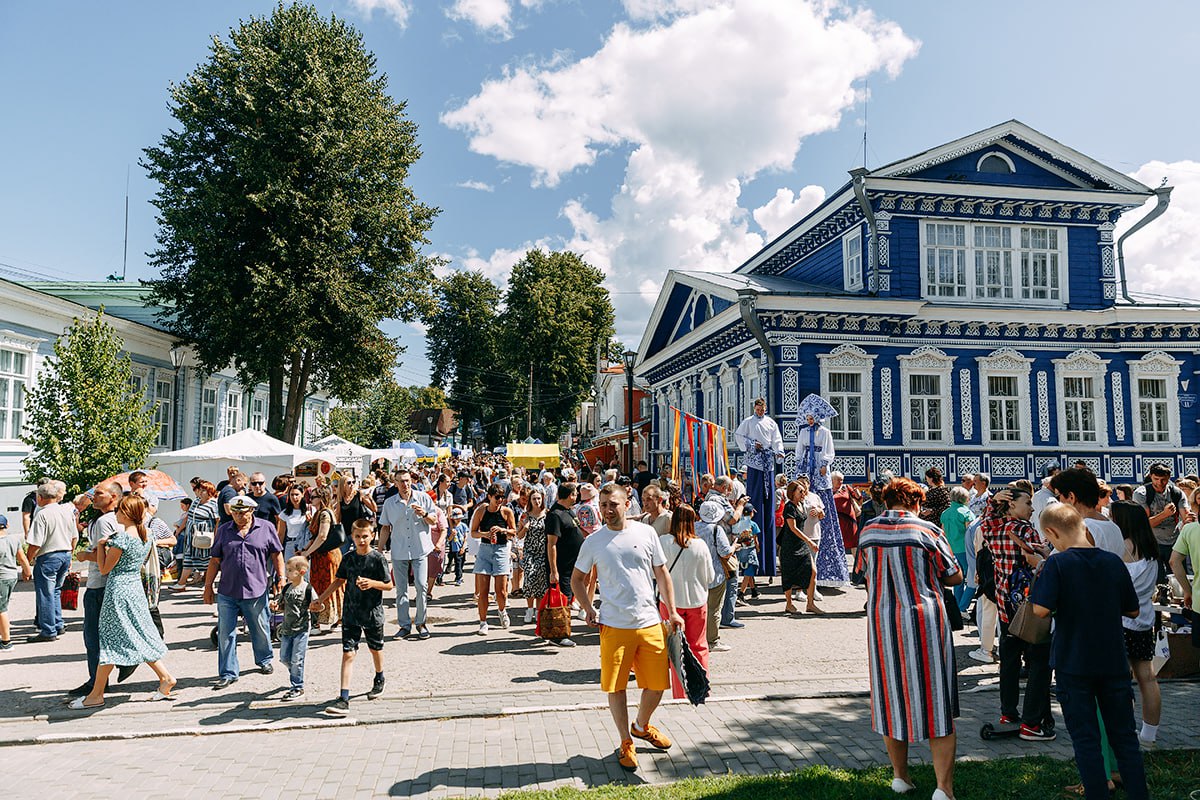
{"x": 760, "y": 439}
{"x": 814, "y": 459}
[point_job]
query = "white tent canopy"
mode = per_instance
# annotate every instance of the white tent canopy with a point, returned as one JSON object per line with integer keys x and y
{"x": 251, "y": 450}
{"x": 344, "y": 454}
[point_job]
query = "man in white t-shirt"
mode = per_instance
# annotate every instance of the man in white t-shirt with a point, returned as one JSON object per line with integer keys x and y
{"x": 628, "y": 559}
{"x": 1081, "y": 489}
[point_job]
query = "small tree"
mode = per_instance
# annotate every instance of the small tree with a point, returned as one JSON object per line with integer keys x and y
{"x": 83, "y": 420}
{"x": 381, "y": 415}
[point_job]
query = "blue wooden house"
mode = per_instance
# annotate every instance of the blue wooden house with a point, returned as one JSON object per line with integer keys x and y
{"x": 966, "y": 308}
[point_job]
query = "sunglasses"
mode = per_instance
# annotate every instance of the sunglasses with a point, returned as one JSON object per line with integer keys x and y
{"x": 258, "y": 483}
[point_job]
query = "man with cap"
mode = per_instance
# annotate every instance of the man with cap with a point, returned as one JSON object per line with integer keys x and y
{"x": 456, "y": 543}
{"x": 761, "y": 441}
{"x": 712, "y": 533}
{"x": 461, "y": 492}
{"x": 247, "y": 554}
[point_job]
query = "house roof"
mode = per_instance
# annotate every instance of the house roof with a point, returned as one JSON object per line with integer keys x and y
{"x": 121, "y": 299}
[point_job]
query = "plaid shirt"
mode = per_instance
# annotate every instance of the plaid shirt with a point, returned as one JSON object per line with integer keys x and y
{"x": 1006, "y": 554}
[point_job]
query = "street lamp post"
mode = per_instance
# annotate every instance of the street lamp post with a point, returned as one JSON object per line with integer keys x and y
{"x": 630, "y": 357}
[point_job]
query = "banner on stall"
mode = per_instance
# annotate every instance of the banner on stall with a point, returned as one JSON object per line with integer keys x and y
{"x": 699, "y": 446}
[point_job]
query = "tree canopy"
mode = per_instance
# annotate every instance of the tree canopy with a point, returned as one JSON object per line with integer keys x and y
{"x": 287, "y": 231}
{"x": 84, "y": 422}
{"x": 381, "y": 415}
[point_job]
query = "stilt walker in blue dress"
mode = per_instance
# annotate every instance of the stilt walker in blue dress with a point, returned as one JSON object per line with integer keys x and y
{"x": 761, "y": 441}
{"x": 814, "y": 459}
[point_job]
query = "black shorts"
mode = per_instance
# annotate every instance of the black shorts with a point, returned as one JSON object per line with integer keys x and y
{"x": 351, "y": 634}
{"x": 1139, "y": 645}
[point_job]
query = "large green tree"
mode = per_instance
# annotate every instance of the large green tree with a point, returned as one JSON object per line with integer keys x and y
{"x": 463, "y": 331}
{"x": 83, "y": 421}
{"x": 287, "y": 230}
{"x": 557, "y": 314}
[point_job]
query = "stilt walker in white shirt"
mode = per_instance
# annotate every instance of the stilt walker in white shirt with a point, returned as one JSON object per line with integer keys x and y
{"x": 760, "y": 439}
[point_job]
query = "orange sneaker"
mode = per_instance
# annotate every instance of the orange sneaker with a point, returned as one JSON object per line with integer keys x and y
{"x": 651, "y": 735}
{"x": 627, "y": 756}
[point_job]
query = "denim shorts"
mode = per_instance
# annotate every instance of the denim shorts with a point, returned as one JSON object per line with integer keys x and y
{"x": 492, "y": 559}
{"x": 6, "y": 588}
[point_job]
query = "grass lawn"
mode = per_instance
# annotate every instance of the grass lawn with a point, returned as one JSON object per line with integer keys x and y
{"x": 1173, "y": 775}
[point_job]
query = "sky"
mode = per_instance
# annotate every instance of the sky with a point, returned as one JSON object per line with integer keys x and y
{"x": 644, "y": 134}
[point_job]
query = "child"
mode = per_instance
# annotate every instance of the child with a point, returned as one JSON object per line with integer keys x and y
{"x": 746, "y": 532}
{"x": 294, "y": 603}
{"x": 1089, "y": 590}
{"x": 366, "y": 575}
{"x": 456, "y": 540}
{"x": 11, "y": 554}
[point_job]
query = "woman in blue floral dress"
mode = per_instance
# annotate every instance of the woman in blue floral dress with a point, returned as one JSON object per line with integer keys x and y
{"x": 814, "y": 460}
{"x": 127, "y": 633}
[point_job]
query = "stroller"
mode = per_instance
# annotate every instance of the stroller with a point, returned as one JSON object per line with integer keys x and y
{"x": 274, "y": 621}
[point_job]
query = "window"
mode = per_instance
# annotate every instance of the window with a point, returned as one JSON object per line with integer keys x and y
{"x": 1080, "y": 382}
{"x": 313, "y": 420}
{"x": 258, "y": 413}
{"x": 1153, "y": 424}
{"x": 137, "y": 384}
{"x": 845, "y": 395}
{"x": 993, "y": 261}
{"x": 946, "y": 260}
{"x": 1039, "y": 264}
{"x": 852, "y": 261}
{"x": 1154, "y": 380}
{"x": 164, "y": 392}
{"x": 208, "y": 414}
{"x": 995, "y": 163}
{"x": 233, "y": 413}
{"x": 14, "y": 379}
{"x": 1007, "y": 262}
{"x": 1004, "y": 408}
{"x": 1079, "y": 409}
{"x": 925, "y": 407}
{"x": 846, "y": 382}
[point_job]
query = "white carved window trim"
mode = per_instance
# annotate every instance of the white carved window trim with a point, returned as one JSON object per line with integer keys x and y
{"x": 727, "y": 380}
{"x": 164, "y": 410}
{"x": 927, "y": 361}
{"x": 708, "y": 391}
{"x": 1006, "y": 362}
{"x": 1012, "y": 168}
{"x": 1082, "y": 364}
{"x": 1156, "y": 364}
{"x": 139, "y": 379}
{"x": 231, "y": 417}
{"x": 749, "y": 371}
{"x": 258, "y": 412}
{"x": 208, "y": 427}
{"x": 973, "y": 292}
{"x": 852, "y": 261}
{"x": 851, "y": 358}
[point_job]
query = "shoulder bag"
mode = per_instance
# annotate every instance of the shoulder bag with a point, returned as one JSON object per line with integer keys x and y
{"x": 336, "y": 536}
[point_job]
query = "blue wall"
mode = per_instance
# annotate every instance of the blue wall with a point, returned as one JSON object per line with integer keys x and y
{"x": 962, "y": 169}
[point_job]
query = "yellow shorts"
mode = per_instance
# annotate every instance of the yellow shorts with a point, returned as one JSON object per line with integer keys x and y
{"x": 642, "y": 649}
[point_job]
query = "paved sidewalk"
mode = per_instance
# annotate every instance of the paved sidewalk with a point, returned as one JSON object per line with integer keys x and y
{"x": 486, "y": 755}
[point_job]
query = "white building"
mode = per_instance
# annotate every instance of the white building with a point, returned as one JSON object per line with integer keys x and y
{"x": 190, "y": 407}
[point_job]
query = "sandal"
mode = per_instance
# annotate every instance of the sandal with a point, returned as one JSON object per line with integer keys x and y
{"x": 78, "y": 705}
{"x": 814, "y": 610}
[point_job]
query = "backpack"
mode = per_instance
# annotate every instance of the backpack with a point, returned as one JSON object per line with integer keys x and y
{"x": 985, "y": 571}
{"x": 1174, "y": 495}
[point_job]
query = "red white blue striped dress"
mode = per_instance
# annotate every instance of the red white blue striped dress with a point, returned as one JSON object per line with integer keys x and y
{"x": 914, "y": 688}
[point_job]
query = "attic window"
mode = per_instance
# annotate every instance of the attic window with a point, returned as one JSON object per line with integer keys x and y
{"x": 996, "y": 163}
{"x": 701, "y": 312}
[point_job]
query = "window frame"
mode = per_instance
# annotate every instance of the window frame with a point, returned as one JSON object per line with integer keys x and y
{"x": 12, "y": 379}
{"x": 232, "y": 412}
{"x": 1156, "y": 365}
{"x": 852, "y": 263}
{"x": 974, "y": 291}
{"x": 206, "y": 405}
{"x": 1082, "y": 364}
{"x": 258, "y": 412}
{"x": 164, "y": 412}
{"x": 927, "y": 361}
{"x": 1006, "y": 362}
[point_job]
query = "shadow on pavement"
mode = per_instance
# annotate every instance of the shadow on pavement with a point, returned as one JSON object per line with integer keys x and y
{"x": 585, "y": 769}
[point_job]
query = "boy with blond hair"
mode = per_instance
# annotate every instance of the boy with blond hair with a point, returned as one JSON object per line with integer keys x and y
{"x": 294, "y": 602}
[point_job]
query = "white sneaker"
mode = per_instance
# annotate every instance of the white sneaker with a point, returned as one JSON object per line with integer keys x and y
{"x": 562, "y": 642}
{"x": 803, "y": 597}
{"x": 504, "y": 619}
{"x": 528, "y": 615}
{"x": 483, "y": 629}
{"x": 720, "y": 647}
{"x": 981, "y": 656}
{"x": 579, "y": 613}
{"x": 817, "y": 595}
{"x": 901, "y": 787}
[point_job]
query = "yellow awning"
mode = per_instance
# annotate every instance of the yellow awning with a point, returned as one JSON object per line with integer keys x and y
{"x": 528, "y": 455}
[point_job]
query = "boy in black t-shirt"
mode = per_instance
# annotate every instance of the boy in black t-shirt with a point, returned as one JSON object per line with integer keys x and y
{"x": 1089, "y": 590}
{"x": 366, "y": 575}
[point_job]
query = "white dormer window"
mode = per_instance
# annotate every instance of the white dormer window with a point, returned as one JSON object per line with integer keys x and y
{"x": 995, "y": 163}
{"x": 982, "y": 261}
{"x": 852, "y": 261}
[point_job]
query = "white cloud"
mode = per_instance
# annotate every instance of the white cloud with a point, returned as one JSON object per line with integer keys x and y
{"x": 706, "y": 97}
{"x": 1164, "y": 257}
{"x": 489, "y": 16}
{"x": 478, "y": 186}
{"x": 785, "y": 209}
{"x": 398, "y": 10}
{"x": 498, "y": 266}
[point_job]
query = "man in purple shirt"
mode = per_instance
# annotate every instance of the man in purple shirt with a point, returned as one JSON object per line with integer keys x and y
{"x": 243, "y": 551}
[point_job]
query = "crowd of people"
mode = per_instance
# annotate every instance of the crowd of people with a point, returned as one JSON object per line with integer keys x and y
{"x": 292, "y": 561}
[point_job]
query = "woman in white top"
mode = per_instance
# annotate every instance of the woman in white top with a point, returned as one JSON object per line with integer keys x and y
{"x": 812, "y": 529}
{"x": 691, "y": 568}
{"x": 1141, "y": 559}
{"x": 293, "y": 523}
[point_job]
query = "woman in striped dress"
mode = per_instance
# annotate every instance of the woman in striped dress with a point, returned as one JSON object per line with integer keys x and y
{"x": 914, "y": 695}
{"x": 202, "y": 518}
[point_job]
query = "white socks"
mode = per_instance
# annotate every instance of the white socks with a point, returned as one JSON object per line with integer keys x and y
{"x": 1148, "y": 733}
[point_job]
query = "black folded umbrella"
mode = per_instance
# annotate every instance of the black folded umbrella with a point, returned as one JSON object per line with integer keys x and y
{"x": 688, "y": 668}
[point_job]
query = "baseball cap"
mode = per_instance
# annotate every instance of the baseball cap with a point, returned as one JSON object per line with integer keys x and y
{"x": 3, "y": 521}
{"x": 464, "y": 473}
{"x": 242, "y": 503}
{"x": 457, "y": 514}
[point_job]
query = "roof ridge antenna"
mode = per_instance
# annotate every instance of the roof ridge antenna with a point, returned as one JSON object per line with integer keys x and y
{"x": 866, "y": 104}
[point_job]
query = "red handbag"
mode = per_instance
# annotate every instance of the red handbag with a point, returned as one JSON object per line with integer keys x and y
{"x": 554, "y": 615}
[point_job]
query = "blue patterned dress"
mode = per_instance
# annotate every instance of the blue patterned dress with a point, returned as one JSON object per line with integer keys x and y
{"x": 127, "y": 632}
{"x": 814, "y": 450}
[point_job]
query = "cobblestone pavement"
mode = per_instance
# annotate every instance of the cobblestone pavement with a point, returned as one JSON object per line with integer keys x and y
{"x": 465, "y": 715}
